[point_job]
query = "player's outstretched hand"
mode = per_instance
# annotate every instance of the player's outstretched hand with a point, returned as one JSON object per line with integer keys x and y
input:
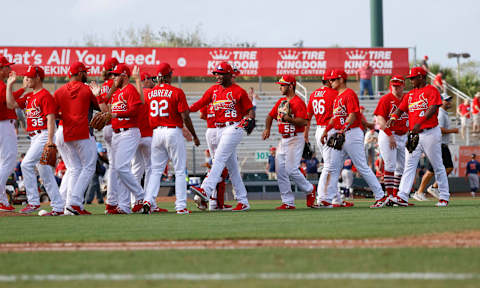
{"x": 196, "y": 141}
{"x": 95, "y": 88}
{"x": 393, "y": 144}
{"x": 136, "y": 73}
{"x": 305, "y": 136}
{"x": 324, "y": 138}
{"x": 12, "y": 78}
{"x": 416, "y": 128}
{"x": 266, "y": 134}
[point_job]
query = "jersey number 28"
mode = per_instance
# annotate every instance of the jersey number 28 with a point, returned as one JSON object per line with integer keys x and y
{"x": 158, "y": 108}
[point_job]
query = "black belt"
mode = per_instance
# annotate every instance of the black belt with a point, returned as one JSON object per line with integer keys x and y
{"x": 33, "y": 133}
{"x": 289, "y": 135}
{"x": 425, "y": 129}
{"x": 221, "y": 125}
{"x": 399, "y": 134}
{"x": 120, "y": 130}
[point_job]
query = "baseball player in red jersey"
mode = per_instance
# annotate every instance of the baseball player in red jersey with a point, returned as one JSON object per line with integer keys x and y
{"x": 40, "y": 109}
{"x": 391, "y": 140}
{"x": 290, "y": 148}
{"x": 422, "y": 103}
{"x": 231, "y": 104}
{"x": 346, "y": 119}
{"x": 320, "y": 105}
{"x": 8, "y": 139}
{"x": 125, "y": 103}
{"x": 168, "y": 112}
{"x": 217, "y": 200}
{"x": 74, "y": 101}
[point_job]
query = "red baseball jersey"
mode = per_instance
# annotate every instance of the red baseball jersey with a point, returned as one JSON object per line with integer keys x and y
{"x": 476, "y": 105}
{"x": 344, "y": 104}
{"x": 37, "y": 106}
{"x": 209, "y": 113}
{"x": 385, "y": 108}
{"x": 143, "y": 121}
{"x": 297, "y": 108}
{"x": 417, "y": 101}
{"x": 106, "y": 86}
{"x": 230, "y": 104}
{"x": 6, "y": 113}
{"x": 126, "y": 104}
{"x": 464, "y": 109}
{"x": 166, "y": 102}
{"x": 321, "y": 105}
{"x": 73, "y": 102}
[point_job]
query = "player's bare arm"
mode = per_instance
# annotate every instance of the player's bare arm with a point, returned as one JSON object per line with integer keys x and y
{"x": 449, "y": 131}
{"x": 138, "y": 83}
{"x": 394, "y": 117}
{"x": 383, "y": 125}
{"x": 325, "y": 132}
{"x": 268, "y": 127}
{"x": 188, "y": 123}
{"x": 297, "y": 121}
{"x": 349, "y": 121}
{"x": 430, "y": 112}
{"x": 50, "y": 128}
{"x": 11, "y": 103}
{"x": 307, "y": 127}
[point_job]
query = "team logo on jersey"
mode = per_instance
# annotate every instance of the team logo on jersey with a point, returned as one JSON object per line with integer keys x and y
{"x": 320, "y": 93}
{"x": 224, "y": 104}
{"x": 120, "y": 105}
{"x": 421, "y": 104}
{"x": 34, "y": 111}
{"x": 393, "y": 109}
{"x": 340, "y": 109}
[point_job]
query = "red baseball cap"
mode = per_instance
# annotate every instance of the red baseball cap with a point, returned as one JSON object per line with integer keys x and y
{"x": 236, "y": 71}
{"x": 110, "y": 63}
{"x": 145, "y": 75}
{"x": 397, "y": 80}
{"x": 121, "y": 68}
{"x": 34, "y": 71}
{"x": 415, "y": 71}
{"x": 76, "y": 68}
{"x": 326, "y": 74}
{"x": 164, "y": 69}
{"x": 287, "y": 80}
{"x": 273, "y": 148}
{"x": 425, "y": 57}
{"x": 337, "y": 73}
{"x": 362, "y": 107}
{"x": 223, "y": 68}
{"x": 4, "y": 62}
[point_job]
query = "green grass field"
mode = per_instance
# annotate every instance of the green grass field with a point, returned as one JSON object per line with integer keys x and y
{"x": 261, "y": 222}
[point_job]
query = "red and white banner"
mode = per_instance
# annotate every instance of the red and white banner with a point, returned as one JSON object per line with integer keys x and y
{"x": 201, "y": 61}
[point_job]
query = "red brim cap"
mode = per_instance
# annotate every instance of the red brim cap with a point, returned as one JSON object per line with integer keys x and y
{"x": 287, "y": 80}
{"x": 4, "y": 62}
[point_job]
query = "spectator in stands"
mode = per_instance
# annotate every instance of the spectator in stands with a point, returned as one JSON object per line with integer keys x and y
{"x": 365, "y": 75}
{"x": 438, "y": 82}
{"x": 20, "y": 120}
{"x": 425, "y": 64}
{"x": 270, "y": 166}
{"x": 60, "y": 171}
{"x": 94, "y": 186}
{"x": 18, "y": 168}
{"x": 472, "y": 170}
{"x": 347, "y": 178}
{"x": 370, "y": 142}
{"x": 476, "y": 113}
{"x": 312, "y": 167}
{"x": 464, "y": 111}
{"x": 253, "y": 97}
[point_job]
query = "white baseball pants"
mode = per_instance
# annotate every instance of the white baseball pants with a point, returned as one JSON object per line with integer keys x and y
{"x": 429, "y": 143}
{"x": 212, "y": 143}
{"x": 124, "y": 147}
{"x": 226, "y": 156}
{"x": 8, "y": 155}
{"x": 347, "y": 178}
{"x": 325, "y": 181}
{"x": 62, "y": 149}
{"x": 29, "y": 162}
{"x": 112, "y": 198}
{"x": 353, "y": 147}
{"x": 394, "y": 159}
{"x": 141, "y": 163}
{"x": 287, "y": 162}
{"x": 168, "y": 143}
{"x": 80, "y": 159}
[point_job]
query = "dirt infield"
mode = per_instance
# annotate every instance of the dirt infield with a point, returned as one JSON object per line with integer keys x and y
{"x": 445, "y": 240}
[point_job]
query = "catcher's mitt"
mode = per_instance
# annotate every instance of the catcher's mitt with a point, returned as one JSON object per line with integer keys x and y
{"x": 412, "y": 141}
{"x": 283, "y": 109}
{"x": 248, "y": 124}
{"x": 336, "y": 141}
{"x": 100, "y": 120}
{"x": 307, "y": 151}
{"x": 49, "y": 155}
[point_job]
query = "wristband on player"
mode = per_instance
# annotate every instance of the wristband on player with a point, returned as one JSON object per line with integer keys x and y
{"x": 387, "y": 131}
{"x": 345, "y": 127}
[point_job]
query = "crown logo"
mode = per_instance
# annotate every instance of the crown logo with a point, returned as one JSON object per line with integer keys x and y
{"x": 289, "y": 55}
{"x": 220, "y": 54}
{"x": 357, "y": 55}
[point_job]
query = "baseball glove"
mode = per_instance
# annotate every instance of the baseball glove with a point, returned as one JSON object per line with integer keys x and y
{"x": 49, "y": 155}
{"x": 100, "y": 120}
{"x": 336, "y": 141}
{"x": 247, "y": 124}
{"x": 283, "y": 109}
{"x": 307, "y": 151}
{"x": 412, "y": 141}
